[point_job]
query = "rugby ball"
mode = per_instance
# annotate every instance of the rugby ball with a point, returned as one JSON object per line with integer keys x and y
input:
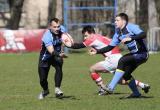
{"x": 67, "y": 39}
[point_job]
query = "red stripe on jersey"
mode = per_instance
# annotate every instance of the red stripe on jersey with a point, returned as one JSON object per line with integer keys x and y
{"x": 98, "y": 41}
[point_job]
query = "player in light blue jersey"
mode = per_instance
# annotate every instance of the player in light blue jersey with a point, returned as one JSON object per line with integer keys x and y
{"x": 133, "y": 37}
{"x": 51, "y": 54}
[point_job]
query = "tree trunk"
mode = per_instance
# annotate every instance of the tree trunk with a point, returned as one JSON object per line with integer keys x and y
{"x": 16, "y": 11}
{"x": 59, "y": 9}
{"x": 143, "y": 14}
{"x": 11, "y": 2}
{"x": 152, "y": 14}
{"x": 52, "y": 9}
{"x": 157, "y": 3}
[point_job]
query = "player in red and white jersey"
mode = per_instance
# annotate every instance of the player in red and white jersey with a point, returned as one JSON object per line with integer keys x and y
{"x": 109, "y": 65}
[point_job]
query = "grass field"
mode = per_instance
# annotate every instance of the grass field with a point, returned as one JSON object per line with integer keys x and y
{"x": 19, "y": 85}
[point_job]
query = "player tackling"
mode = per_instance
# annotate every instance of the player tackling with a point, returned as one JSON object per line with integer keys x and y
{"x": 134, "y": 38}
{"x": 109, "y": 65}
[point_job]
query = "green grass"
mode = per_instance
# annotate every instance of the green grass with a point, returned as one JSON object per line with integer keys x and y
{"x": 19, "y": 85}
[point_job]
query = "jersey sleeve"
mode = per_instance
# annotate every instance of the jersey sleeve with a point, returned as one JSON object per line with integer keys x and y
{"x": 115, "y": 41}
{"x": 47, "y": 38}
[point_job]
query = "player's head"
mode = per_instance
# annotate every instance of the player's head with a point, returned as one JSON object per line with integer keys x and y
{"x": 87, "y": 31}
{"x": 54, "y": 25}
{"x": 121, "y": 20}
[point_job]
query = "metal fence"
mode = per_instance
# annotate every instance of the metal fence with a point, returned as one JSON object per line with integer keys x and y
{"x": 98, "y": 13}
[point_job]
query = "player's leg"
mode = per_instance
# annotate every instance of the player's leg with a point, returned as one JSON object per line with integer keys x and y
{"x": 58, "y": 76}
{"x": 103, "y": 66}
{"x": 130, "y": 80}
{"x": 135, "y": 61}
{"x": 126, "y": 60}
{"x": 94, "y": 72}
{"x": 109, "y": 65}
{"x": 43, "y": 75}
{"x": 144, "y": 86}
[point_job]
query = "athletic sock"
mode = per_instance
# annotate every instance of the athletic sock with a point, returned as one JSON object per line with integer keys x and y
{"x": 132, "y": 85}
{"x": 139, "y": 84}
{"x": 116, "y": 78}
{"x": 97, "y": 78}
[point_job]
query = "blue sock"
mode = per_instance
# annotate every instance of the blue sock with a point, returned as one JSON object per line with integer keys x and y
{"x": 132, "y": 85}
{"x": 117, "y": 76}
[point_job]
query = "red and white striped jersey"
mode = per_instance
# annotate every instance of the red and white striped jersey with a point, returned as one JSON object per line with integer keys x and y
{"x": 98, "y": 41}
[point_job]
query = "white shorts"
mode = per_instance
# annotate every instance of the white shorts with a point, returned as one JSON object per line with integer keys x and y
{"x": 110, "y": 63}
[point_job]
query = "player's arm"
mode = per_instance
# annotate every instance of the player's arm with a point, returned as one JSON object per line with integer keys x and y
{"x": 105, "y": 49}
{"x": 48, "y": 44}
{"x": 51, "y": 51}
{"x": 138, "y": 32}
{"x": 78, "y": 46}
{"x": 108, "y": 48}
{"x": 141, "y": 35}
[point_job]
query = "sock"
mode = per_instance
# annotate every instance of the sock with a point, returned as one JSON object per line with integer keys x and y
{"x": 116, "y": 78}
{"x": 139, "y": 84}
{"x": 97, "y": 78}
{"x": 132, "y": 85}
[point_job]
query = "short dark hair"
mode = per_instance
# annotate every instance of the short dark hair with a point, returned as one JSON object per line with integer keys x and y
{"x": 54, "y": 19}
{"x": 89, "y": 29}
{"x": 123, "y": 16}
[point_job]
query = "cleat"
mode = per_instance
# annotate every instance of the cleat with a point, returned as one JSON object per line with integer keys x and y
{"x": 107, "y": 90}
{"x": 102, "y": 92}
{"x": 43, "y": 94}
{"x": 58, "y": 93}
{"x": 146, "y": 88}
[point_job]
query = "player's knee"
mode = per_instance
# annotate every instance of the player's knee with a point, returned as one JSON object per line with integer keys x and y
{"x": 59, "y": 60}
{"x": 122, "y": 82}
{"x": 43, "y": 81}
{"x": 127, "y": 77}
{"x": 92, "y": 69}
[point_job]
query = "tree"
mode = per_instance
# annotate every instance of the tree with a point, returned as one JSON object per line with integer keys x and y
{"x": 55, "y": 9}
{"x": 16, "y": 10}
{"x": 143, "y": 14}
{"x": 157, "y": 3}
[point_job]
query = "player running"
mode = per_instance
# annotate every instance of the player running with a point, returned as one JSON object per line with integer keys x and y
{"x": 109, "y": 65}
{"x": 51, "y": 54}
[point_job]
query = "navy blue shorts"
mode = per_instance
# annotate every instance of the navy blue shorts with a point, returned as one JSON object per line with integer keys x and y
{"x": 141, "y": 57}
{"x": 129, "y": 62}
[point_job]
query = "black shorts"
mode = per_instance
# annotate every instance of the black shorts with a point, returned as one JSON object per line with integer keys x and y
{"x": 50, "y": 61}
{"x": 129, "y": 62}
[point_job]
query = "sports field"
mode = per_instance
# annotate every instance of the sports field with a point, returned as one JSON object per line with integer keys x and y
{"x": 19, "y": 85}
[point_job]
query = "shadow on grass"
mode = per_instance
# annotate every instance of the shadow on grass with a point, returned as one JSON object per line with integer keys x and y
{"x": 142, "y": 97}
{"x": 66, "y": 97}
{"x": 115, "y": 93}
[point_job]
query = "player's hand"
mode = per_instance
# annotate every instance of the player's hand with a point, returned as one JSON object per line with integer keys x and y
{"x": 126, "y": 39}
{"x": 63, "y": 55}
{"x": 92, "y": 51}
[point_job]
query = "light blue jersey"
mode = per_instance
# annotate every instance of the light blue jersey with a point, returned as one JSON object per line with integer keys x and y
{"x": 49, "y": 39}
{"x": 130, "y": 30}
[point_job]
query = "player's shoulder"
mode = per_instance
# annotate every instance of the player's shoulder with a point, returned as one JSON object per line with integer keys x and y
{"x": 63, "y": 29}
{"x": 47, "y": 35}
{"x": 132, "y": 26}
